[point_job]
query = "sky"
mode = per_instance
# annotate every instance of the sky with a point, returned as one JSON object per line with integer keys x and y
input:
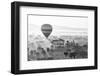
{"x": 61, "y": 25}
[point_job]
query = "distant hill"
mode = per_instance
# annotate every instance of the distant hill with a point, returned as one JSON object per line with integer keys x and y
{"x": 78, "y": 39}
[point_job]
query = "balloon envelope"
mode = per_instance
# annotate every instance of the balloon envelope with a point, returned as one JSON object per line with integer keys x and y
{"x": 46, "y": 29}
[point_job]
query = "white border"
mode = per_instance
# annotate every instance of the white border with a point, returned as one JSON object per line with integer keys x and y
{"x": 26, "y": 65}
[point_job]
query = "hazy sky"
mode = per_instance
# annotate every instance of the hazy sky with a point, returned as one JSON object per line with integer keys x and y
{"x": 60, "y": 25}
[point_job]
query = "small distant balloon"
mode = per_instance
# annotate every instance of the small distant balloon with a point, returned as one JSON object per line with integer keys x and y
{"x": 46, "y": 29}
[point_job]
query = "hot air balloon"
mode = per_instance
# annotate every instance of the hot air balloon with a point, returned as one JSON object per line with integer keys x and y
{"x": 46, "y": 29}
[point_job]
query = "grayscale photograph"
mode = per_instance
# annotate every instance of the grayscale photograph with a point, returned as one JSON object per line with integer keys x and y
{"x": 54, "y": 37}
